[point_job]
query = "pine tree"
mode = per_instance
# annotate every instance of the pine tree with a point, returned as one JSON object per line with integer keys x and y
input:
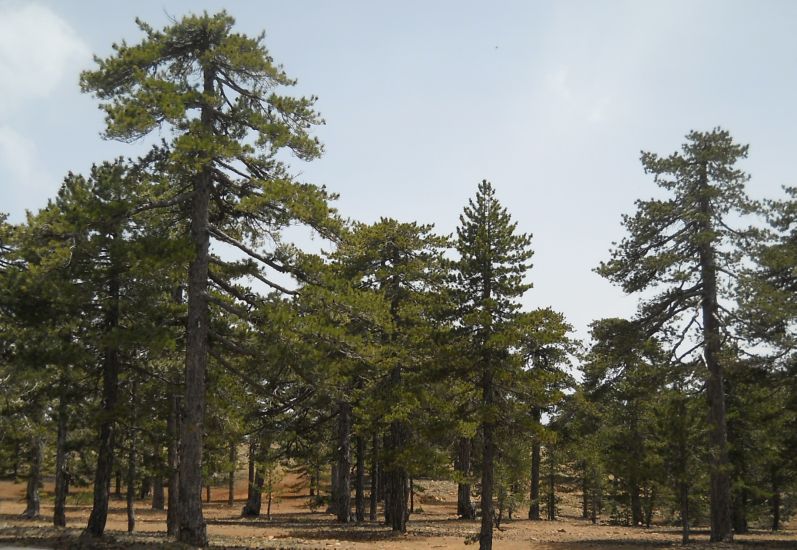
{"x": 213, "y": 89}
{"x": 684, "y": 247}
{"x": 489, "y": 283}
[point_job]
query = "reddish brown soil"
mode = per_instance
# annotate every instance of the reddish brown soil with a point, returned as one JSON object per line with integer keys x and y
{"x": 293, "y": 525}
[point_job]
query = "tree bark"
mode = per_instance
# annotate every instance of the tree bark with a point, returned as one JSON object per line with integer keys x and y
{"x": 32, "y": 499}
{"x": 173, "y": 429}
{"x": 584, "y": 491}
{"x": 343, "y": 469}
{"x": 465, "y": 508}
{"x": 333, "y": 486}
{"x": 683, "y": 489}
{"x": 157, "y": 477}
{"x": 636, "y": 503}
{"x": 359, "y": 499}
{"x": 193, "y": 530}
{"x": 488, "y": 457}
{"x": 374, "y": 477}
{"x": 111, "y": 365}
{"x": 534, "y": 494}
{"x": 254, "y": 502}
{"x": 254, "y": 497}
{"x": 61, "y": 474}
{"x": 719, "y": 464}
{"x": 231, "y": 480}
{"x": 774, "y": 501}
{"x": 739, "y": 512}
{"x": 551, "y": 485}
{"x": 131, "y": 484}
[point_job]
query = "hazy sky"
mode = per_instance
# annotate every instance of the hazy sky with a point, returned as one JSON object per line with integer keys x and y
{"x": 551, "y": 101}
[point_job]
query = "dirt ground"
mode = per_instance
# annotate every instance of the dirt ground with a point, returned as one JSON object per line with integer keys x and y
{"x": 293, "y": 525}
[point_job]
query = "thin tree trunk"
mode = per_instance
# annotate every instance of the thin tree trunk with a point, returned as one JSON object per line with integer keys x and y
{"x": 412, "y": 496}
{"x": 270, "y": 492}
{"x": 131, "y": 484}
{"x": 333, "y": 487}
{"x": 636, "y": 503}
{"x": 111, "y": 365}
{"x": 193, "y": 530}
{"x": 551, "y": 485}
{"x": 157, "y": 477}
{"x": 534, "y": 494}
{"x": 584, "y": 492}
{"x": 719, "y": 464}
{"x": 207, "y": 492}
{"x": 359, "y": 499}
{"x": 465, "y": 508}
{"x": 343, "y": 470}
{"x": 374, "y": 477}
{"x": 173, "y": 429}
{"x": 117, "y": 492}
{"x": 774, "y": 500}
{"x": 397, "y": 480}
{"x": 32, "y": 500}
{"x": 231, "y": 480}
{"x": 254, "y": 497}
{"x": 739, "y": 511}
{"x": 488, "y": 457}
{"x": 254, "y": 502}
{"x": 251, "y": 466}
{"x": 683, "y": 489}
{"x": 131, "y": 465}
{"x": 61, "y": 475}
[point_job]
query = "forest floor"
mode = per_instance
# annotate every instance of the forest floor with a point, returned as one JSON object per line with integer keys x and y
{"x": 294, "y": 525}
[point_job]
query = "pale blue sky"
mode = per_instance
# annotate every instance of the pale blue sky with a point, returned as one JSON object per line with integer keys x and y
{"x": 551, "y": 101}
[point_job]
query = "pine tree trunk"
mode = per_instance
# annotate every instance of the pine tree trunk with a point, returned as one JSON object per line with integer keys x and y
{"x": 254, "y": 501}
{"x": 333, "y": 486}
{"x": 719, "y": 465}
{"x": 488, "y": 458}
{"x": 739, "y": 511}
{"x": 32, "y": 500}
{"x": 650, "y": 507}
{"x": 636, "y": 503}
{"x": 359, "y": 499}
{"x": 207, "y": 492}
{"x": 192, "y": 523}
{"x": 231, "y": 479}
{"x": 251, "y": 466}
{"x": 157, "y": 477}
{"x": 131, "y": 484}
{"x": 173, "y": 429}
{"x": 584, "y": 492}
{"x": 534, "y": 496}
{"x": 397, "y": 479}
{"x": 158, "y": 499}
{"x": 374, "y": 477}
{"x": 412, "y": 496}
{"x": 117, "y": 492}
{"x": 551, "y": 485}
{"x": 343, "y": 469}
{"x": 111, "y": 365}
{"x": 683, "y": 489}
{"x": 270, "y": 493}
{"x": 465, "y": 508}
{"x": 254, "y": 497}
{"x": 61, "y": 475}
{"x": 774, "y": 501}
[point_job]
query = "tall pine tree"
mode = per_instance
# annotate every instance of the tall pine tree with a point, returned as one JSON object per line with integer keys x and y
{"x": 213, "y": 89}
{"x": 685, "y": 248}
{"x": 491, "y": 270}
